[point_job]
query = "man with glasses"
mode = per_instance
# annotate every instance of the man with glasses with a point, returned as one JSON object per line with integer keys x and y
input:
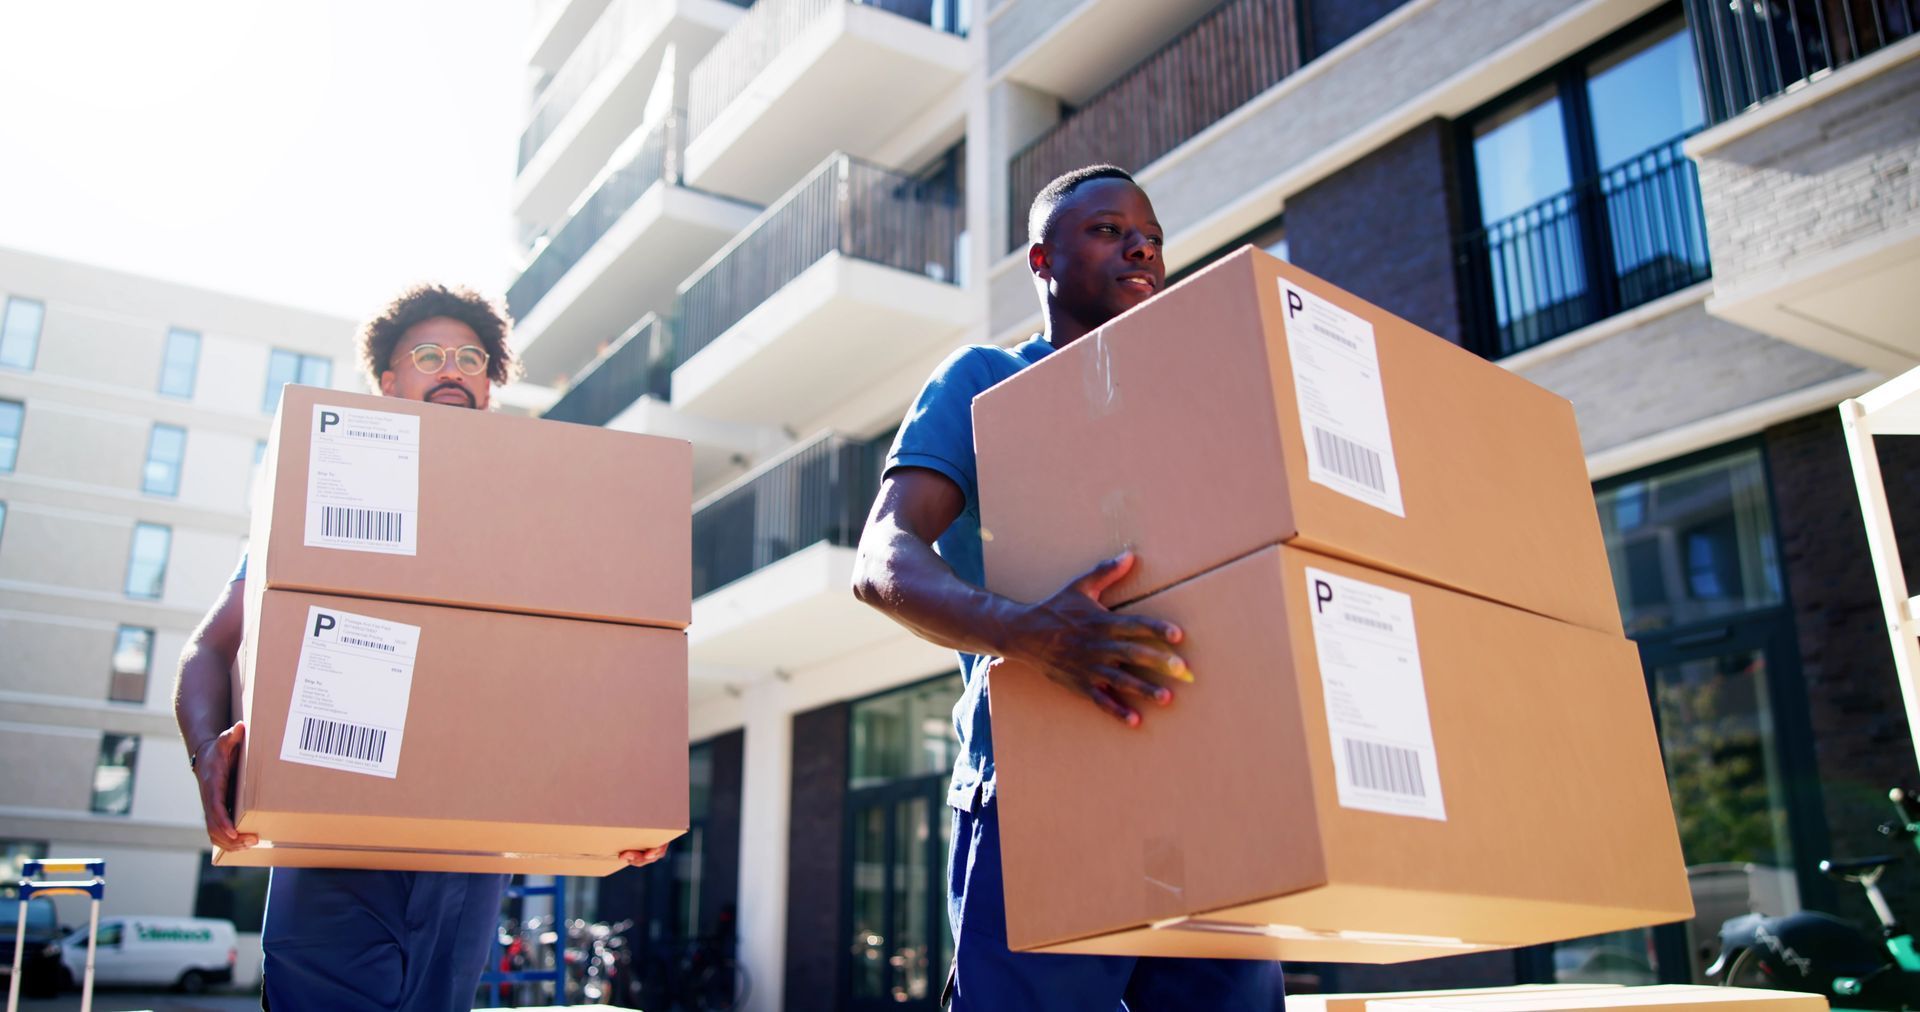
{"x": 340, "y": 940}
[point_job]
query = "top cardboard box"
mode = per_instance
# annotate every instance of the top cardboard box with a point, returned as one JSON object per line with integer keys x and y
{"x": 402, "y": 500}
{"x": 1254, "y": 404}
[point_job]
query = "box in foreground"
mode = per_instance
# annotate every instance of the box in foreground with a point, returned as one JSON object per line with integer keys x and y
{"x": 414, "y": 737}
{"x": 1254, "y": 404}
{"x": 406, "y": 501}
{"x": 1367, "y": 769}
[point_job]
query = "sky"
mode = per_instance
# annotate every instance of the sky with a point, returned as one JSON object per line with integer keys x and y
{"x": 318, "y": 153}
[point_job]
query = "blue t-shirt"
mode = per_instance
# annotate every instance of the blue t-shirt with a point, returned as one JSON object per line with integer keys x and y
{"x": 938, "y": 435}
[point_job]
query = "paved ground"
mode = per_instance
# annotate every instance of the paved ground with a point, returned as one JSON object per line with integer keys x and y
{"x": 112, "y": 1000}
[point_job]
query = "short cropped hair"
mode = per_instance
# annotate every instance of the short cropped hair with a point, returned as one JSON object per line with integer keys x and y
{"x": 380, "y": 335}
{"x": 1046, "y": 204}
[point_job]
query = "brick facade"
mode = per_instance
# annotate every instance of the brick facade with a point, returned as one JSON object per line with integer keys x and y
{"x": 1339, "y": 228}
{"x": 1862, "y": 744}
{"x": 1823, "y": 177}
{"x": 816, "y": 850}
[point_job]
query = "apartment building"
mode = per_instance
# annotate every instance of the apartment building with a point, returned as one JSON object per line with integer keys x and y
{"x": 133, "y": 413}
{"x": 759, "y": 228}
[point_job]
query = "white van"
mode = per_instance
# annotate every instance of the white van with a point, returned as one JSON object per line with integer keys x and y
{"x": 191, "y": 953}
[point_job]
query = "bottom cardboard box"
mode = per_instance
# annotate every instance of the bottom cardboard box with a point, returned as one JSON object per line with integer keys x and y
{"x": 1367, "y": 769}
{"x": 405, "y": 737}
{"x": 1657, "y": 998}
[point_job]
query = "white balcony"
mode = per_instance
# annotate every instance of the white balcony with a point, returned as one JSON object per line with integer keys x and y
{"x": 796, "y": 80}
{"x": 832, "y": 293}
{"x": 618, "y": 257}
{"x": 602, "y": 91}
{"x": 1077, "y": 54}
{"x": 1809, "y": 198}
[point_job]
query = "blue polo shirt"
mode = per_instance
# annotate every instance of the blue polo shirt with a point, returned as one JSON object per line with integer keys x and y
{"x": 938, "y": 435}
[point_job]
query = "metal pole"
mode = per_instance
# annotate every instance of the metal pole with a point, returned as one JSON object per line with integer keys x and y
{"x": 93, "y": 937}
{"x": 1895, "y": 604}
{"x": 19, "y": 950}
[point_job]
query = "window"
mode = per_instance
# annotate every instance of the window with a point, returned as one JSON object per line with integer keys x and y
{"x": 147, "y": 562}
{"x": 901, "y": 754}
{"x": 1692, "y": 544}
{"x": 3, "y": 519}
{"x": 166, "y": 449}
{"x": 20, "y": 332}
{"x": 180, "y": 364}
{"x": 286, "y": 367}
{"x": 132, "y": 663}
{"x": 236, "y": 894}
{"x": 1582, "y": 201}
{"x": 13, "y": 415}
{"x": 113, "y": 776}
{"x": 14, "y": 855}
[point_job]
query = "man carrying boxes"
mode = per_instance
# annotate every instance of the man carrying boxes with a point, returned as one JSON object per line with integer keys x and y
{"x": 1094, "y": 254}
{"x": 405, "y": 597}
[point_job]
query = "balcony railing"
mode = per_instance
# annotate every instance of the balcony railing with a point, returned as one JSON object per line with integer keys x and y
{"x": 1753, "y": 50}
{"x": 1626, "y": 237}
{"x": 1216, "y": 66}
{"x": 768, "y": 28}
{"x": 639, "y": 362}
{"x": 820, "y": 492}
{"x": 848, "y": 206}
{"x": 557, "y": 96}
{"x": 645, "y": 159}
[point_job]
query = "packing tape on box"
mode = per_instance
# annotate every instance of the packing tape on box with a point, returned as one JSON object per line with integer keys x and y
{"x": 1164, "y": 874}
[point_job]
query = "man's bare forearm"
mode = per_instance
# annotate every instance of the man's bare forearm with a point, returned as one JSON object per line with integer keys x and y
{"x": 203, "y": 692}
{"x": 903, "y": 577}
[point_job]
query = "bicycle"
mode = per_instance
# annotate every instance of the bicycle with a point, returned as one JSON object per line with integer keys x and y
{"x": 1822, "y": 954}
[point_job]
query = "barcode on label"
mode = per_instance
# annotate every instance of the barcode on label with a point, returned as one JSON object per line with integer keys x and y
{"x": 1385, "y": 768}
{"x": 360, "y": 525}
{"x": 350, "y": 741}
{"x": 1349, "y": 459}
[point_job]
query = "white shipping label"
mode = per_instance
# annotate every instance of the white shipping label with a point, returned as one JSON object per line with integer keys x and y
{"x": 350, "y": 692}
{"x": 1383, "y": 756}
{"x": 363, "y": 481}
{"x": 1343, "y": 409}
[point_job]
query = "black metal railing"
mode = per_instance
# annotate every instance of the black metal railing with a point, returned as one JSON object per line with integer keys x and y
{"x": 1753, "y": 50}
{"x": 1216, "y": 66}
{"x": 820, "y": 492}
{"x": 768, "y": 28}
{"x": 1631, "y": 234}
{"x": 847, "y": 206}
{"x": 638, "y": 363}
{"x": 645, "y": 159}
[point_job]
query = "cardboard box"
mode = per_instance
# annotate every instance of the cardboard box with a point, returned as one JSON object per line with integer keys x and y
{"x": 1357, "y": 1002}
{"x": 1659, "y": 998}
{"x": 408, "y": 501}
{"x": 516, "y": 743}
{"x": 1254, "y": 404}
{"x": 1366, "y": 769}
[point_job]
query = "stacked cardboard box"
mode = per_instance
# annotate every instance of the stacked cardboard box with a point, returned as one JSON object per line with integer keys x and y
{"x": 464, "y": 645}
{"x": 1416, "y": 729}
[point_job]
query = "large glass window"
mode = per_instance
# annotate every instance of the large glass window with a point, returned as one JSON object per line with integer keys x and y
{"x": 147, "y": 561}
{"x": 285, "y": 367}
{"x": 20, "y": 332}
{"x": 113, "y": 775}
{"x": 902, "y": 753}
{"x": 1692, "y": 544}
{"x": 166, "y": 450}
{"x": 1585, "y": 203}
{"x": 132, "y": 665}
{"x": 1697, "y": 568}
{"x": 234, "y": 894}
{"x": 13, "y": 416}
{"x": 14, "y": 855}
{"x": 180, "y": 365}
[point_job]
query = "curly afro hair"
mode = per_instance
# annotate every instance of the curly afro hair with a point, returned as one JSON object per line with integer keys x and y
{"x": 422, "y": 302}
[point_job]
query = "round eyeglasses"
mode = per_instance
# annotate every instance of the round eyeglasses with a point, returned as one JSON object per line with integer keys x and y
{"x": 431, "y": 358}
